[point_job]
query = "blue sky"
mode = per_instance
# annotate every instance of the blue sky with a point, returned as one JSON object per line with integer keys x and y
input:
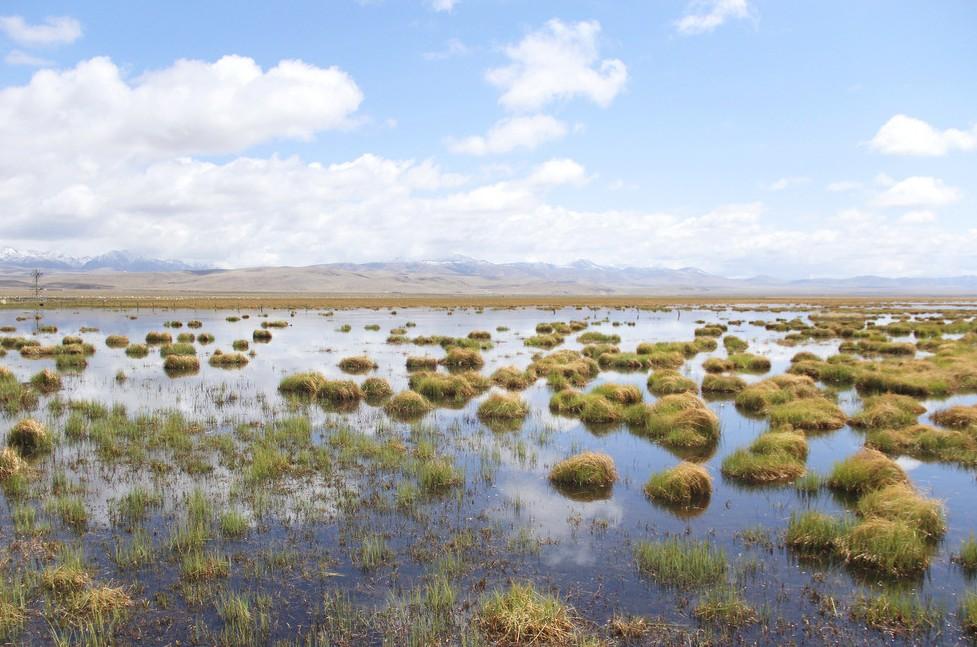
{"x": 739, "y": 136}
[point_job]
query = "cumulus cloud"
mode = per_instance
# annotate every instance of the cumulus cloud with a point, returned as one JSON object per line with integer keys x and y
{"x": 53, "y": 31}
{"x": 703, "y": 16}
{"x": 509, "y": 134}
{"x": 93, "y": 114}
{"x": 559, "y": 61}
{"x": 904, "y": 135}
{"x": 918, "y": 191}
{"x": 442, "y": 5}
{"x": 19, "y": 57}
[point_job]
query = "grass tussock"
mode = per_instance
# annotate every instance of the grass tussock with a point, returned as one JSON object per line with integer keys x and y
{"x": 137, "y": 351}
{"x": 887, "y": 411}
{"x": 774, "y": 457}
{"x": 666, "y": 382}
{"x": 686, "y": 485}
{"x": 521, "y": 615}
{"x": 900, "y": 502}
{"x": 896, "y": 612}
{"x": 422, "y": 363}
{"x": 408, "y": 404}
{"x": 376, "y": 389}
{"x": 46, "y": 381}
{"x": 588, "y": 407}
{"x": 681, "y": 563}
{"x": 959, "y": 417}
{"x": 587, "y": 470}
{"x": 181, "y": 364}
{"x": 816, "y": 533}
{"x": 155, "y": 337}
{"x": 809, "y": 414}
{"x": 357, "y": 364}
{"x": 29, "y": 437}
{"x": 749, "y": 363}
{"x": 441, "y": 387}
{"x": 618, "y": 393}
{"x": 503, "y": 407}
{"x": 512, "y": 378}
{"x": 891, "y": 548}
{"x": 927, "y": 443}
{"x": 677, "y": 421}
{"x": 463, "y": 358}
{"x": 565, "y": 368}
{"x": 762, "y": 396}
{"x": 724, "y": 606}
{"x": 221, "y": 359}
{"x": 722, "y": 384}
{"x": 166, "y": 350}
{"x": 867, "y": 470}
{"x": 116, "y": 341}
{"x": 10, "y": 463}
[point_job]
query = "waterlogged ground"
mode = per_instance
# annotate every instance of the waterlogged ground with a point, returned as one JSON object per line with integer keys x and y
{"x": 335, "y": 549}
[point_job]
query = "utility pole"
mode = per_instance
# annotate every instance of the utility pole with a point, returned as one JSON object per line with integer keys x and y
{"x": 36, "y": 275}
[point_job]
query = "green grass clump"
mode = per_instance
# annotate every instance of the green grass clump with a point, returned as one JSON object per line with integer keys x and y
{"x": 408, "y": 404}
{"x": 722, "y": 384}
{"x": 46, "y": 381}
{"x": 966, "y": 557}
{"x": 233, "y": 524}
{"x": 167, "y": 350}
{"x": 340, "y": 392}
{"x": 522, "y": 615}
{"x": 205, "y": 338}
{"x": 681, "y": 563}
{"x": 280, "y": 323}
{"x": 896, "y": 612}
{"x": 597, "y": 337}
{"x": 679, "y": 421}
{"x": 116, "y": 341}
{"x": 261, "y": 336}
{"x": 440, "y": 387}
{"x": 29, "y": 438}
{"x": 376, "y": 389}
{"x": 551, "y": 340}
{"x": 618, "y": 393}
{"x": 968, "y": 612}
{"x": 718, "y": 365}
{"x": 438, "y": 474}
{"x": 900, "y": 502}
{"x": 927, "y": 443}
{"x": 686, "y": 485}
{"x": 749, "y": 363}
{"x": 422, "y": 363}
{"x": 240, "y": 345}
{"x": 734, "y": 344}
{"x": 865, "y": 471}
{"x": 512, "y": 378}
{"x": 624, "y": 361}
{"x": 809, "y": 414}
{"x": 306, "y": 384}
{"x": 358, "y": 364}
{"x": 887, "y": 411}
{"x": 462, "y": 358}
{"x": 724, "y": 606}
{"x": 588, "y": 407}
{"x": 10, "y": 463}
{"x": 816, "y": 533}
{"x": 221, "y": 359}
{"x": 587, "y": 470}
{"x": 155, "y": 337}
{"x": 780, "y": 389}
{"x": 137, "y": 351}
{"x": 594, "y": 351}
{"x": 665, "y": 382}
{"x": 890, "y": 548}
{"x": 568, "y": 367}
{"x": 959, "y": 417}
{"x": 503, "y": 407}
{"x": 774, "y": 457}
{"x": 181, "y": 364}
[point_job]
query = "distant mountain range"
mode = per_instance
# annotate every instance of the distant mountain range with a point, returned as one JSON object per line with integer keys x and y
{"x": 123, "y": 271}
{"x": 117, "y": 261}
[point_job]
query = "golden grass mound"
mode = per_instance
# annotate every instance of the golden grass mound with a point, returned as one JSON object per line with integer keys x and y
{"x": 10, "y": 463}
{"x": 524, "y": 616}
{"x": 959, "y": 417}
{"x": 887, "y": 411}
{"x": 408, "y": 404}
{"x": 619, "y": 393}
{"x": 116, "y": 341}
{"x": 307, "y": 384}
{"x": 376, "y": 389}
{"x": 463, "y": 358}
{"x": 181, "y": 364}
{"x": 512, "y": 378}
{"x": 866, "y": 470}
{"x": 46, "y": 381}
{"x": 666, "y": 382}
{"x": 681, "y": 420}
{"x": 29, "y": 438}
{"x": 809, "y": 414}
{"x": 585, "y": 470}
{"x": 685, "y": 485}
{"x": 503, "y": 407}
{"x": 358, "y": 364}
{"x": 221, "y": 359}
{"x": 565, "y": 367}
{"x": 900, "y": 502}
{"x": 780, "y": 389}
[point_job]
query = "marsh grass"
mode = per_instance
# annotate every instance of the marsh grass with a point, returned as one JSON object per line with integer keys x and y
{"x": 889, "y": 548}
{"x": 181, "y": 364}
{"x": 29, "y": 438}
{"x": 179, "y": 348}
{"x": 866, "y": 470}
{"x": 376, "y": 389}
{"x": 512, "y": 378}
{"x": 261, "y": 336}
{"x": 116, "y": 341}
{"x": 724, "y": 606}
{"x": 46, "y": 381}
{"x": 681, "y": 563}
{"x": 462, "y": 358}
{"x": 897, "y": 612}
{"x": 774, "y": 457}
{"x": 220, "y": 359}
{"x": 676, "y": 421}
{"x": 966, "y": 556}
{"x": 686, "y": 485}
{"x": 665, "y": 382}
{"x": 968, "y": 612}
{"x": 503, "y": 407}
{"x": 749, "y": 363}
{"x": 887, "y": 411}
{"x": 356, "y": 365}
{"x": 408, "y": 405}
{"x": 421, "y": 363}
{"x": 816, "y": 533}
{"x": 900, "y": 502}
{"x": 521, "y": 615}
{"x": 585, "y": 471}
{"x": 809, "y": 414}
{"x": 137, "y": 351}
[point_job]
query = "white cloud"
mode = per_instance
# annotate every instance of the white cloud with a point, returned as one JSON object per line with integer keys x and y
{"x": 787, "y": 182}
{"x": 453, "y": 48}
{"x": 558, "y": 62}
{"x": 703, "y": 16}
{"x": 904, "y": 135}
{"x": 442, "y": 5}
{"x": 918, "y": 216}
{"x": 558, "y": 171}
{"x": 53, "y": 31}
{"x": 93, "y": 115}
{"x": 842, "y": 186}
{"x": 18, "y": 57}
{"x": 918, "y": 191}
{"x": 510, "y": 134}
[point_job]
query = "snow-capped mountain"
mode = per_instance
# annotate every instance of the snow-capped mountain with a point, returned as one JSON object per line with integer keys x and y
{"x": 117, "y": 261}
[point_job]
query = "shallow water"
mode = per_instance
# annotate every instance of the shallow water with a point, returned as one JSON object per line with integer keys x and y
{"x": 582, "y": 548}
